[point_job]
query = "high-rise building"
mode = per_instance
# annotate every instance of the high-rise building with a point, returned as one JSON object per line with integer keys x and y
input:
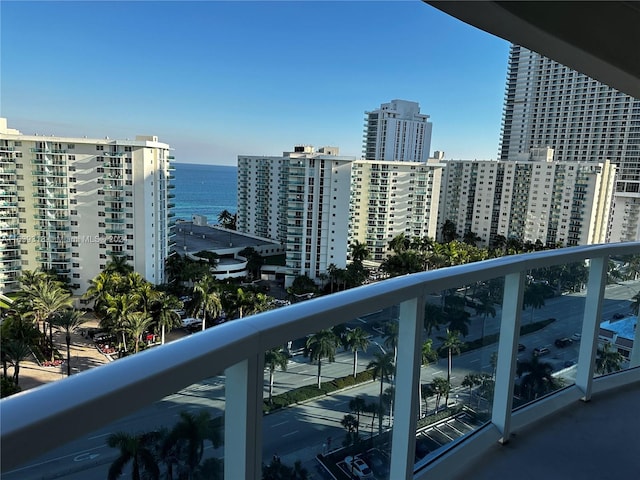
{"x": 397, "y": 131}
{"x": 69, "y": 204}
{"x": 305, "y": 194}
{"x": 548, "y": 104}
{"x": 393, "y": 198}
{"x": 541, "y": 199}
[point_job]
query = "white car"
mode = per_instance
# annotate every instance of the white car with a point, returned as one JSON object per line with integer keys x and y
{"x": 358, "y": 467}
{"x": 191, "y": 322}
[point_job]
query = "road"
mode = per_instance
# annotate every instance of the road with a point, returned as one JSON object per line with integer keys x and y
{"x": 302, "y": 431}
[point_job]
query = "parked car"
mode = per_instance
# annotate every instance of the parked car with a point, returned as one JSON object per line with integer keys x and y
{"x": 563, "y": 342}
{"x": 576, "y": 337}
{"x": 521, "y": 347}
{"x": 540, "y": 351}
{"x": 618, "y": 316}
{"x": 358, "y": 467}
{"x": 191, "y": 322}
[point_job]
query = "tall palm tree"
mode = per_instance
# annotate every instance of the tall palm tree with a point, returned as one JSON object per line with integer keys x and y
{"x": 429, "y": 355}
{"x": 441, "y": 386}
{"x": 192, "y": 430}
{"x": 273, "y": 359}
{"x": 138, "y": 323}
{"x": 137, "y": 449}
{"x": 357, "y": 405}
{"x": 608, "y": 360}
{"x": 391, "y": 331}
{"x": 322, "y": 344}
{"x": 118, "y": 313}
{"x": 48, "y": 298}
{"x": 15, "y": 352}
{"x": 536, "y": 377}
{"x": 359, "y": 251}
{"x": 485, "y": 308}
{"x": 452, "y": 345}
{"x": 68, "y": 321}
{"x": 104, "y": 283}
{"x": 533, "y": 297}
{"x": 206, "y": 299}
{"x": 165, "y": 308}
{"x": 383, "y": 367}
{"x": 356, "y": 339}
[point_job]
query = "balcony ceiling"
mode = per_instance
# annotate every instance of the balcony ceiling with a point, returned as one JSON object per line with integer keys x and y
{"x": 599, "y": 39}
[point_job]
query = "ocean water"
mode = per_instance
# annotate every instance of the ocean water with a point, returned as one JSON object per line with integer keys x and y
{"x": 204, "y": 190}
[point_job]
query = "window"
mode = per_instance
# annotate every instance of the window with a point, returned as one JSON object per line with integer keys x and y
{"x": 99, "y": 147}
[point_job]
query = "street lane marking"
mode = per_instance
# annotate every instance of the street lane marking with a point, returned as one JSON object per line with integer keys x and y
{"x": 474, "y": 361}
{"x": 290, "y": 433}
{"x": 53, "y": 460}
{"x": 281, "y": 423}
{"x": 98, "y": 436}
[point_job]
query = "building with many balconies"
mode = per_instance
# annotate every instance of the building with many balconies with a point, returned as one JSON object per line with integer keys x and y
{"x": 300, "y": 199}
{"x": 565, "y": 203}
{"x": 397, "y": 131}
{"x": 69, "y": 204}
{"x": 393, "y": 198}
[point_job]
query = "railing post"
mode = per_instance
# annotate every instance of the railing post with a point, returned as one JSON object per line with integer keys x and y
{"x": 591, "y": 325}
{"x": 405, "y": 408}
{"x": 507, "y": 353}
{"x": 243, "y": 419}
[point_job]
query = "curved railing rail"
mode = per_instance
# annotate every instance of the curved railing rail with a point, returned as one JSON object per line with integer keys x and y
{"x": 104, "y": 394}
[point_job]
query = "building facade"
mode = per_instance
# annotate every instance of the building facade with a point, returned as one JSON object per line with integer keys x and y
{"x": 305, "y": 197}
{"x": 557, "y": 203}
{"x": 548, "y": 104}
{"x": 69, "y": 204}
{"x": 397, "y": 131}
{"x": 392, "y": 198}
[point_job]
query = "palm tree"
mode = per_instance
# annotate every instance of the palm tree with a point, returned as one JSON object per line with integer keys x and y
{"x": 441, "y": 386}
{"x": 192, "y": 430}
{"x": 359, "y": 251}
{"x": 357, "y": 405}
{"x": 119, "y": 310}
{"x": 68, "y": 321}
{"x": 536, "y": 378}
{"x": 534, "y": 295}
{"x": 206, "y": 299}
{"x": 433, "y": 317}
{"x": 350, "y": 423}
{"x": 485, "y": 308}
{"x": 452, "y": 344}
{"x": 137, "y": 449}
{"x": 273, "y": 359}
{"x": 608, "y": 360}
{"x": 391, "y": 330}
{"x": 138, "y": 323}
{"x": 356, "y": 339}
{"x": 47, "y": 299}
{"x": 165, "y": 309}
{"x": 15, "y": 352}
{"x": 383, "y": 367}
{"x": 321, "y": 345}
{"x": 118, "y": 264}
{"x": 99, "y": 287}
{"x": 331, "y": 271}
{"x": 226, "y": 219}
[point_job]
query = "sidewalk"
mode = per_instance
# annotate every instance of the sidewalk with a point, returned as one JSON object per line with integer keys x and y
{"x": 84, "y": 355}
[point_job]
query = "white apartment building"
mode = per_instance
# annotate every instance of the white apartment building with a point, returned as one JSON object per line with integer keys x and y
{"x": 548, "y": 104}
{"x": 302, "y": 200}
{"x": 555, "y": 202}
{"x": 70, "y": 203}
{"x": 397, "y": 131}
{"x": 392, "y": 198}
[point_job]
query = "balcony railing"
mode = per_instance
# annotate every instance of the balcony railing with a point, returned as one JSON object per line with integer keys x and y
{"x": 121, "y": 388}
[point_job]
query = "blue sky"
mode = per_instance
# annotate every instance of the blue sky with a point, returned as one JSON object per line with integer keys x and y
{"x": 219, "y": 79}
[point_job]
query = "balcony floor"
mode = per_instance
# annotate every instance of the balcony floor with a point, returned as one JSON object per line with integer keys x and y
{"x": 598, "y": 439}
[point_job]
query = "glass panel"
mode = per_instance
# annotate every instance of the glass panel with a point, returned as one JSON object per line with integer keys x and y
{"x": 181, "y": 435}
{"x": 462, "y": 328}
{"x": 551, "y": 329}
{"x": 618, "y": 330}
{"x": 333, "y": 422}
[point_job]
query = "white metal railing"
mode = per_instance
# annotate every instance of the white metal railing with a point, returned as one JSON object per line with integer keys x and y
{"x": 68, "y": 409}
